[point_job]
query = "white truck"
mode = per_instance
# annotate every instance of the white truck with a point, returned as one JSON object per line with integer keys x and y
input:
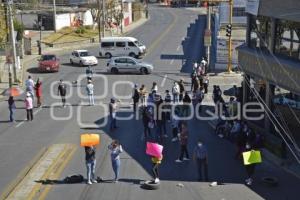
{"x": 121, "y": 46}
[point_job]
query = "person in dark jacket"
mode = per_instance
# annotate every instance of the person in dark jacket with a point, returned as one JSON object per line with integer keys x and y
{"x": 112, "y": 114}
{"x": 181, "y": 89}
{"x": 201, "y": 158}
{"x": 135, "y": 97}
{"x": 11, "y": 107}
{"x": 90, "y": 160}
{"x": 186, "y": 104}
{"x": 62, "y": 90}
{"x": 183, "y": 138}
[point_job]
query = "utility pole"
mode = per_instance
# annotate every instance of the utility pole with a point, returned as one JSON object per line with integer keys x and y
{"x": 103, "y": 17}
{"x": 229, "y": 67}
{"x": 54, "y": 15}
{"x": 208, "y": 28}
{"x": 99, "y": 20}
{"x": 12, "y": 39}
{"x": 121, "y": 16}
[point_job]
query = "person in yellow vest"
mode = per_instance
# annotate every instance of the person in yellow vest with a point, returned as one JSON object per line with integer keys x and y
{"x": 156, "y": 162}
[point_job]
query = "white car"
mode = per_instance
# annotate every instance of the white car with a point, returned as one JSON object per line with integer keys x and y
{"x": 83, "y": 58}
{"x": 127, "y": 64}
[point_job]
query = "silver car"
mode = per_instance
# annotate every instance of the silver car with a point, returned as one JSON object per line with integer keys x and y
{"x": 126, "y": 64}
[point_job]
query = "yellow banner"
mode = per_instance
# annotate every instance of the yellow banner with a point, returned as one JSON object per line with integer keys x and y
{"x": 251, "y": 157}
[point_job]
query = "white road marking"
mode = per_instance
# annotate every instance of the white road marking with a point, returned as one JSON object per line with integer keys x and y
{"x": 19, "y": 124}
{"x": 178, "y": 48}
{"x": 164, "y": 81}
{"x": 172, "y": 61}
{"x": 34, "y": 113}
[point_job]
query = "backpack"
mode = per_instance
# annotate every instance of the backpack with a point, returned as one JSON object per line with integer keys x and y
{"x": 74, "y": 179}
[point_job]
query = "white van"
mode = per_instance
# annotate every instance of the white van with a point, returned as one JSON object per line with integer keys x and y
{"x": 121, "y": 46}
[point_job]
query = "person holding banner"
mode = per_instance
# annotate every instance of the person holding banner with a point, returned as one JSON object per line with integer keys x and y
{"x": 156, "y": 162}
{"x": 115, "y": 149}
{"x": 250, "y": 162}
{"x": 90, "y": 159}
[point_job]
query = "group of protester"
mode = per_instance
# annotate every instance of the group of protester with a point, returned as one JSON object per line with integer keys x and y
{"x": 34, "y": 89}
{"x": 236, "y": 130}
{"x": 31, "y": 89}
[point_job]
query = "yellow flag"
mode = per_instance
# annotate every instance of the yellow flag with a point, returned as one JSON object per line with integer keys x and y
{"x": 251, "y": 157}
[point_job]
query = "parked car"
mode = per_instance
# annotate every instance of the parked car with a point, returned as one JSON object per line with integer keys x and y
{"x": 83, "y": 57}
{"x": 128, "y": 64}
{"x": 121, "y": 46}
{"x": 48, "y": 63}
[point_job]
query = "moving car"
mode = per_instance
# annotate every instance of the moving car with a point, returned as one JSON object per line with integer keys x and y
{"x": 48, "y": 63}
{"x": 83, "y": 58}
{"x": 128, "y": 64}
{"x": 121, "y": 46}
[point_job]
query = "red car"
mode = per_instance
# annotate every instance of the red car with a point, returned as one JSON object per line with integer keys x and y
{"x": 48, "y": 63}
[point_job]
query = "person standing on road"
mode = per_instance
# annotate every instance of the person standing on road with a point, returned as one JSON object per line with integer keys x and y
{"x": 90, "y": 92}
{"x": 11, "y": 107}
{"x": 38, "y": 92}
{"x": 175, "y": 92}
{"x": 156, "y": 161}
{"x": 113, "y": 113}
{"x": 193, "y": 79}
{"x": 250, "y": 169}
{"x": 89, "y": 73}
{"x": 29, "y": 83}
{"x": 62, "y": 90}
{"x": 29, "y": 106}
{"x": 168, "y": 106}
{"x": 90, "y": 160}
{"x": 183, "y": 138}
{"x": 205, "y": 84}
{"x": 143, "y": 95}
{"x": 154, "y": 87}
{"x": 186, "y": 104}
{"x": 200, "y": 157}
{"x": 135, "y": 97}
{"x": 181, "y": 89}
{"x": 115, "y": 149}
{"x": 174, "y": 125}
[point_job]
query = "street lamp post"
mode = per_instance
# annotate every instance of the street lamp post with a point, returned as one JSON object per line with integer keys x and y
{"x": 229, "y": 67}
{"x": 40, "y": 41}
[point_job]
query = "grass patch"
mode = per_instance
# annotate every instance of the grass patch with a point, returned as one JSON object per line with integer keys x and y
{"x": 68, "y": 34}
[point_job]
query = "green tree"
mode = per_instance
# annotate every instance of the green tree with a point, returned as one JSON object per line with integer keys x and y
{"x": 3, "y": 29}
{"x": 19, "y": 27}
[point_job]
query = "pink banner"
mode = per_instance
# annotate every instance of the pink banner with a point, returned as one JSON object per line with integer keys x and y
{"x": 154, "y": 149}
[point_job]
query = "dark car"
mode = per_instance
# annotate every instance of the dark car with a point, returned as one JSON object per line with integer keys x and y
{"x": 49, "y": 63}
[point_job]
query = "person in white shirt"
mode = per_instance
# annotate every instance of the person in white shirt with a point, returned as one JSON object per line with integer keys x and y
{"x": 29, "y": 83}
{"x": 175, "y": 92}
{"x": 90, "y": 92}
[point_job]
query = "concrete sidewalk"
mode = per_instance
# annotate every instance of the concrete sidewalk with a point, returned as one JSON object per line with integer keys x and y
{"x": 226, "y": 81}
{"x": 26, "y": 61}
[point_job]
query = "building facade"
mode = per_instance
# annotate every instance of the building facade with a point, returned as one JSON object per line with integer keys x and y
{"x": 270, "y": 59}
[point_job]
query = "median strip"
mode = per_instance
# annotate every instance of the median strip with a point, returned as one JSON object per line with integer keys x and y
{"x": 50, "y": 165}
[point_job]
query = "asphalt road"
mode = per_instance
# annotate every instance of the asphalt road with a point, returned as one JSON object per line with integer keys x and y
{"x": 174, "y": 39}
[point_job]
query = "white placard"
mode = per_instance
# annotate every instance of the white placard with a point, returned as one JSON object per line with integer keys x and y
{"x": 252, "y": 7}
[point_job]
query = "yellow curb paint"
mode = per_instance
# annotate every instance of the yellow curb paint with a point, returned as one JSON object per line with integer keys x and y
{"x": 54, "y": 158}
{"x": 58, "y": 172}
{"x": 22, "y": 174}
